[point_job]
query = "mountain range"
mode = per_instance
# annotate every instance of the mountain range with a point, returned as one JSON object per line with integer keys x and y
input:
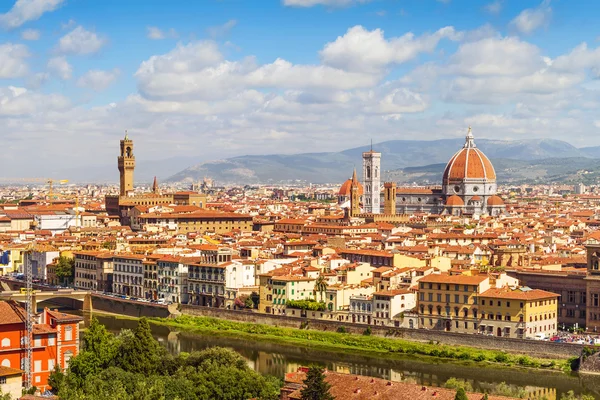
{"x": 406, "y": 161}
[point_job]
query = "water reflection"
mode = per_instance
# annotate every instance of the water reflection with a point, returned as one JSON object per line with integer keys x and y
{"x": 277, "y": 359}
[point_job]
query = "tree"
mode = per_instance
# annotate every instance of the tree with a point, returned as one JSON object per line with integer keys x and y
{"x": 320, "y": 286}
{"x": 315, "y": 387}
{"x": 461, "y": 394}
{"x": 56, "y": 379}
{"x": 65, "y": 268}
{"x": 140, "y": 353}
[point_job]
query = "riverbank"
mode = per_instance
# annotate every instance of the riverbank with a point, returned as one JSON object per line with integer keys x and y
{"x": 345, "y": 342}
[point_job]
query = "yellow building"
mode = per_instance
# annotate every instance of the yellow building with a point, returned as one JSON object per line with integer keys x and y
{"x": 202, "y": 221}
{"x": 11, "y": 381}
{"x": 470, "y": 304}
{"x": 519, "y": 313}
{"x": 450, "y": 302}
{"x": 291, "y": 287}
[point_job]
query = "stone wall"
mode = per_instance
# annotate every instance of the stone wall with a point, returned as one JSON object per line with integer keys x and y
{"x": 127, "y": 307}
{"x": 534, "y": 348}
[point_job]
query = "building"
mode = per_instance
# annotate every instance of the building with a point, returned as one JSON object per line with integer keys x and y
{"x": 518, "y": 313}
{"x": 128, "y": 274}
{"x": 55, "y": 341}
{"x": 372, "y": 179}
{"x": 450, "y": 302}
{"x": 468, "y": 187}
{"x": 173, "y": 278}
{"x": 127, "y": 199}
{"x": 291, "y": 287}
{"x": 11, "y": 382}
{"x": 388, "y": 305}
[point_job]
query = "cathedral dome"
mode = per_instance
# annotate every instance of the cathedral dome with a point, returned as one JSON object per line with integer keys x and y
{"x": 345, "y": 190}
{"x": 454, "y": 201}
{"x": 469, "y": 163}
{"x": 495, "y": 201}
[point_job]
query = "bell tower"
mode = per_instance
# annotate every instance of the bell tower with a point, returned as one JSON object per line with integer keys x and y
{"x": 372, "y": 181}
{"x": 126, "y": 162}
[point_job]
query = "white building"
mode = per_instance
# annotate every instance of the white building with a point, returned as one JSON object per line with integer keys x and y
{"x": 388, "y": 305}
{"x": 54, "y": 221}
{"x": 173, "y": 279}
{"x": 128, "y": 275}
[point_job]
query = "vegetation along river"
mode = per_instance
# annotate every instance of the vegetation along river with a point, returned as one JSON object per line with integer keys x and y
{"x": 277, "y": 359}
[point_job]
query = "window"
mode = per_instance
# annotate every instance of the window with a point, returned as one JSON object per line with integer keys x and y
{"x": 69, "y": 333}
{"x": 508, "y": 304}
{"x": 6, "y": 342}
{"x": 439, "y": 298}
{"x": 422, "y": 296}
{"x": 570, "y": 296}
{"x": 466, "y": 289}
{"x": 521, "y": 305}
{"x": 37, "y": 366}
{"x": 482, "y": 302}
{"x": 595, "y": 299}
{"x": 447, "y": 298}
{"x": 456, "y": 298}
{"x": 50, "y": 364}
{"x": 6, "y": 362}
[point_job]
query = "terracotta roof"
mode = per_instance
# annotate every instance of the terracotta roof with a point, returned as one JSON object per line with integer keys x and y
{"x": 64, "y": 317}
{"x": 7, "y": 371}
{"x": 495, "y": 201}
{"x": 454, "y": 279}
{"x": 345, "y": 189}
{"x": 518, "y": 294}
{"x": 454, "y": 201}
{"x": 11, "y": 313}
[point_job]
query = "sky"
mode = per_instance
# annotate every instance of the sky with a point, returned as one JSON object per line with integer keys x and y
{"x": 213, "y": 79}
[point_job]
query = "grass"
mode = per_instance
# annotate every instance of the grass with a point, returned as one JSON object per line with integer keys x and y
{"x": 340, "y": 341}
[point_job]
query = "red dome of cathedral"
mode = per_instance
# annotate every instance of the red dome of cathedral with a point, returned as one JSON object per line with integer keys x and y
{"x": 345, "y": 189}
{"x": 469, "y": 163}
{"x": 495, "y": 201}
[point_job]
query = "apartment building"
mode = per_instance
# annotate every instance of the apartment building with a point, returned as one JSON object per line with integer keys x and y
{"x": 172, "y": 276}
{"x": 128, "y": 274}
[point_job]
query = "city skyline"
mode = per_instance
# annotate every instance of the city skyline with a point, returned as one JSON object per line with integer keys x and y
{"x": 216, "y": 79}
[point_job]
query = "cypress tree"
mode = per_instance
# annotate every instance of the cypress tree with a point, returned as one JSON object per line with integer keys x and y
{"x": 315, "y": 387}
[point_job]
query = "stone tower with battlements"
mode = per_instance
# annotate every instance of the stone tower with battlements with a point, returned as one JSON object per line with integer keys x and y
{"x": 126, "y": 162}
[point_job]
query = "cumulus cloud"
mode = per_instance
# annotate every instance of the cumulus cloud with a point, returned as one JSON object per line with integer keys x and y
{"x": 533, "y": 18}
{"x": 98, "y": 80}
{"x": 27, "y": 10}
{"x": 80, "y": 41}
{"x": 20, "y": 101}
{"x": 331, "y": 3}
{"x": 198, "y": 70}
{"x": 13, "y": 60}
{"x": 30, "y": 34}
{"x": 368, "y": 51}
{"x": 60, "y": 67}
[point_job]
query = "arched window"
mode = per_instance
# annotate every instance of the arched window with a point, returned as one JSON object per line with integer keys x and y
{"x": 430, "y": 307}
{"x": 6, "y": 342}
{"x": 376, "y": 171}
{"x": 422, "y": 309}
{"x": 368, "y": 172}
{"x": 67, "y": 357}
{"x": 439, "y": 310}
{"x": 6, "y": 363}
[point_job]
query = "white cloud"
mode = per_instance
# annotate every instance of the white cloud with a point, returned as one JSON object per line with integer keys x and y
{"x": 331, "y": 3}
{"x": 198, "y": 71}
{"x": 80, "y": 41}
{"x": 222, "y": 30}
{"x": 27, "y": 10}
{"x": 20, "y": 101}
{"x": 494, "y": 7}
{"x": 98, "y": 80}
{"x": 30, "y": 34}
{"x": 155, "y": 33}
{"x": 533, "y": 18}
{"x": 368, "y": 51}
{"x": 60, "y": 67}
{"x": 12, "y": 60}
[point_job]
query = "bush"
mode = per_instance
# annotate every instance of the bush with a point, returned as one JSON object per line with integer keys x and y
{"x": 501, "y": 357}
{"x": 341, "y": 329}
{"x": 310, "y": 305}
{"x": 456, "y": 384}
{"x": 367, "y": 331}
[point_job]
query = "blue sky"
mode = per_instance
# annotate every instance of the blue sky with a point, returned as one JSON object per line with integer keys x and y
{"x": 214, "y": 79}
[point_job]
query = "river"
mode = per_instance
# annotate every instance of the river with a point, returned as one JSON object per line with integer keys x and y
{"x": 277, "y": 359}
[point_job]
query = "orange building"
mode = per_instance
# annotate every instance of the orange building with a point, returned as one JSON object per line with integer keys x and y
{"x": 55, "y": 340}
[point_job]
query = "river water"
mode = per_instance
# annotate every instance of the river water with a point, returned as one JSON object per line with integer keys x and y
{"x": 277, "y": 359}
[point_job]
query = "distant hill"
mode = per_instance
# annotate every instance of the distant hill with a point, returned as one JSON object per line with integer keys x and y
{"x": 563, "y": 170}
{"x": 396, "y": 154}
{"x": 593, "y": 152}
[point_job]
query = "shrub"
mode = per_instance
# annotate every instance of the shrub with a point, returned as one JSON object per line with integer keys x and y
{"x": 501, "y": 357}
{"x": 367, "y": 331}
{"x": 341, "y": 329}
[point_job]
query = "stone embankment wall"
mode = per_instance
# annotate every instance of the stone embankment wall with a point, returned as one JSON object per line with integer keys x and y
{"x": 535, "y": 348}
{"x": 127, "y": 307}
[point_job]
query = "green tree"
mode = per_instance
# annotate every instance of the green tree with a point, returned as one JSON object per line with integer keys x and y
{"x": 320, "y": 286}
{"x": 65, "y": 269}
{"x": 315, "y": 387}
{"x": 56, "y": 379}
{"x": 140, "y": 353}
{"x": 461, "y": 394}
